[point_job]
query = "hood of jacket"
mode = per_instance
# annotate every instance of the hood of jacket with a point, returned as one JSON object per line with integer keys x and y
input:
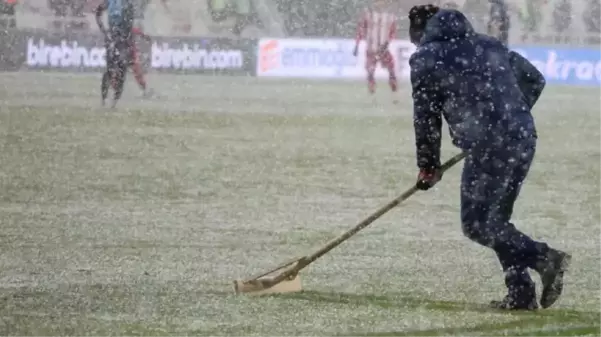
{"x": 447, "y": 24}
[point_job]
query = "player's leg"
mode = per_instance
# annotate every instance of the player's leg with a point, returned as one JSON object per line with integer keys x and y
{"x": 137, "y": 69}
{"x": 388, "y": 62}
{"x": 120, "y": 75}
{"x": 484, "y": 191}
{"x": 104, "y": 86}
{"x": 119, "y": 69}
{"x": 370, "y": 67}
{"x": 108, "y": 76}
{"x": 113, "y": 57}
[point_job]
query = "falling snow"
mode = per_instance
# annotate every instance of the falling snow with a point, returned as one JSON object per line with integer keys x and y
{"x": 135, "y": 221}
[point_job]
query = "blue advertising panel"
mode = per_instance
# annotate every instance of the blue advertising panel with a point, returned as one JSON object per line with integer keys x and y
{"x": 571, "y": 66}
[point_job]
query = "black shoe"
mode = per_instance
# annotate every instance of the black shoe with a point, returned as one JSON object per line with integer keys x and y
{"x": 551, "y": 272}
{"x": 509, "y": 303}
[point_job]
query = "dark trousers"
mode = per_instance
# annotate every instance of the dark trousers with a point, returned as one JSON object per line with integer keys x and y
{"x": 490, "y": 185}
{"x": 117, "y": 58}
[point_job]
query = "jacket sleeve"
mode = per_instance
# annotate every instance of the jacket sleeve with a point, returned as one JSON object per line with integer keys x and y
{"x": 530, "y": 80}
{"x": 427, "y": 109}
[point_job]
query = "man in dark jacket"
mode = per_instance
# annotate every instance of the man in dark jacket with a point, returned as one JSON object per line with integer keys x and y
{"x": 470, "y": 80}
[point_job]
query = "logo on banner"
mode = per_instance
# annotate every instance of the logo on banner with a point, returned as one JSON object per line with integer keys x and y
{"x": 327, "y": 58}
{"x": 404, "y": 50}
{"x": 268, "y": 56}
{"x": 285, "y": 56}
{"x": 567, "y": 66}
{"x": 64, "y": 55}
{"x": 194, "y": 56}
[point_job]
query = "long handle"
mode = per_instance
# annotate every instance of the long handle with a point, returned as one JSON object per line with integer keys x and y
{"x": 281, "y": 266}
{"x": 377, "y": 214}
{"x": 305, "y": 261}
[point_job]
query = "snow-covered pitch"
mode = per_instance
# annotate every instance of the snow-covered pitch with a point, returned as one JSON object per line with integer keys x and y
{"x": 135, "y": 221}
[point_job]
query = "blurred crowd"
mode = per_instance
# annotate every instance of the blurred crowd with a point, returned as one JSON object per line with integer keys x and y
{"x": 317, "y": 18}
{"x": 61, "y": 14}
{"x": 338, "y": 17}
{"x": 75, "y": 14}
{"x": 8, "y": 9}
{"x": 243, "y": 13}
{"x": 335, "y": 18}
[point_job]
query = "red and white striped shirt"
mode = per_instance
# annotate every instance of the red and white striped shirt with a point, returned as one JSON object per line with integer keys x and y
{"x": 376, "y": 28}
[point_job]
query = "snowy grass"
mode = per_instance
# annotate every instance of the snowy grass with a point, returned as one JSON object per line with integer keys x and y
{"x": 136, "y": 221}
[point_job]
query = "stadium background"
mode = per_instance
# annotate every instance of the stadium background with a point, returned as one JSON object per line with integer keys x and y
{"x": 533, "y": 21}
{"x": 282, "y": 38}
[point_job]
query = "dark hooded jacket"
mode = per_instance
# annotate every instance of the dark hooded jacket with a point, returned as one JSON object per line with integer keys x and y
{"x": 471, "y": 80}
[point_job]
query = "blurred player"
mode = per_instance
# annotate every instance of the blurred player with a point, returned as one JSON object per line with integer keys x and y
{"x": 118, "y": 42}
{"x": 134, "y": 63}
{"x": 377, "y": 26}
{"x": 121, "y": 48}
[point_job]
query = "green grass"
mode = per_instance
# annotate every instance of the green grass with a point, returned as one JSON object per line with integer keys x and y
{"x": 135, "y": 221}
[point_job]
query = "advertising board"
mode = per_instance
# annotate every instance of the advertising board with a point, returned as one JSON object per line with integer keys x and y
{"x": 331, "y": 58}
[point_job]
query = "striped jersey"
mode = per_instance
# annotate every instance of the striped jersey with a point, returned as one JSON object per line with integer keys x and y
{"x": 376, "y": 28}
